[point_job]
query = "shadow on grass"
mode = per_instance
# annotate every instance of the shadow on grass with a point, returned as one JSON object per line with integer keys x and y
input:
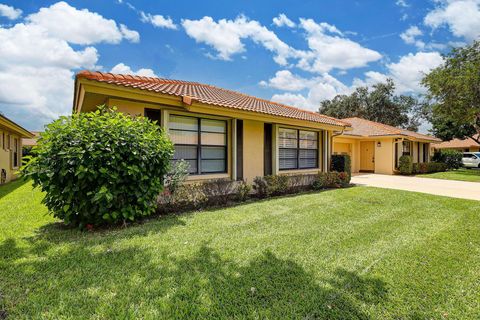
{"x": 86, "y": 281}
{"x": 11, "y": 186}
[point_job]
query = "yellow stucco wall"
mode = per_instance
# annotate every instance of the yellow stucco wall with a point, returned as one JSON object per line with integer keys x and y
{"x": 6, "y": 153}
{"x": 339, "y": 145}
{"x": 253, "y": 139}
{"x": 384, "y": 156}
{"x": 384, "y": 153}
{"x": 252, "y": 149}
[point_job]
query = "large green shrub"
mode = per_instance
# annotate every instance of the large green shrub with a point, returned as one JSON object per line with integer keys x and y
{"x": 452, "y": 158}
{"x": 405, "y": 165}
{"x": 342, "y": 163}
{"x": 100, "y": 167}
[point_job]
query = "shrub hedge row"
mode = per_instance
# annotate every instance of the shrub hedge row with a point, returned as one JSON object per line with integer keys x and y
{"x": 222, "y": 191}
{"x": 406, "y": 167}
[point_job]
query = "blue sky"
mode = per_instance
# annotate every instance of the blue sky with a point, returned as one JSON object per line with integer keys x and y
{"x": 295, "y": 52}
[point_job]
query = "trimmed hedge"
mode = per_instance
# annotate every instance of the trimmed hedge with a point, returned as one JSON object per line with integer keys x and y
{"x": 429, "y": 167}
{"x": 342, "y": 163}
{"x": 222, "y": 192}
{"x": 100, "y": 167}
{"x": 452, "y": 158}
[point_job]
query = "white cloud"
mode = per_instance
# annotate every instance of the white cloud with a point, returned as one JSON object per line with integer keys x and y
{"x": 124, "y": 69}
{"x": 283, "y": 20}
{"x": 319, "y": 88}
{"x": 130, "y": 35}
{"x": 410, "y": 37}
{"x": 328, "y": 46}
{"x": 285, "y": 80}
{"x": 406, "y": 73}
{"x": 9, "y": 12}
{"x": 158, "y": 20}
{"x": 38, "y": 61}
{"x": 462, "y": 18}
{"x": 410, "y": 69}
{"x": 329, "y": 49}
{"x": 402, "y": 3}
{"x": 31, "y": 45}
{"x": 83, "y": 27}
{"x": 226, "y": 36}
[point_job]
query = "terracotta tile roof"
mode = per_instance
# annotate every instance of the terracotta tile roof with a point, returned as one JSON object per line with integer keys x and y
{"x": 367, "y": 128}
{"x": 31, "y": 141}
{"x": 209, "y": 94}
{"x": 457, "y": 143}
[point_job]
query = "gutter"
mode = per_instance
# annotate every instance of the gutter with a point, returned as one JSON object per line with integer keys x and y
{"x": 338, "y": 134}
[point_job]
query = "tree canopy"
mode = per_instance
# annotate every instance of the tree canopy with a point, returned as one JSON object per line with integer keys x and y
{"x": 378, "y": 103}
{"x": 454, "y": 94}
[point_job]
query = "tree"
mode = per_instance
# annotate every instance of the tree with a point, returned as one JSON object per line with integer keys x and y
{"x": 454, "y": 94}
{"x": 378, "y": 104}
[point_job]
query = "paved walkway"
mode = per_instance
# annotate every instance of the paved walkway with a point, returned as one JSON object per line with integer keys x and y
{"x": 449, "y": 188}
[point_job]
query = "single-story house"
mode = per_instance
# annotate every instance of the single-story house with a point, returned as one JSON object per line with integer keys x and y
{"x": 465, "y": 145}
{"x": 11, "y": 135}
{"x": 376, "y": 147}
{"x": 221, "y": 133}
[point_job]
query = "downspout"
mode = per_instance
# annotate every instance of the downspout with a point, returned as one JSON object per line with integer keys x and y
{"x": 328, "y": 158}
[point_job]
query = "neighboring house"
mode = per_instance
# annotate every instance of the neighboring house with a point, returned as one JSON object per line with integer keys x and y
{"x": 11, "y": 135}
{"x": 221, "y": 133}
{"x": 376, "y": 147}
{"x": 465, "y": 145}
{"x": 31, "y": 142}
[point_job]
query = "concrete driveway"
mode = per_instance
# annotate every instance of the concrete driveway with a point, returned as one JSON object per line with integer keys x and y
{"x": 449, "y": 188}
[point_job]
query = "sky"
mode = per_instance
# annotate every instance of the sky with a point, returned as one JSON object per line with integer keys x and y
{"x": 294, "y": 52}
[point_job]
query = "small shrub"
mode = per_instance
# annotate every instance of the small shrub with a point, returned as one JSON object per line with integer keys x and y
{"x": 176, "y": 175}
{"x": 300, "y": 182}
{"x": 260, "y": 186}
{"x": 342, "y": 163}
{"x": 271, "y": 185}
{"x": 331, "y": 179}
{"x": 219, "y": 191}
{"x": 436, "y": 167}
{"x": 405, "y": 165}
{"x": 452, "y": 158}
{"x": 186, "y": 197}
{"x": 243, "y": 191}
{"x": 277, "y": 184}
{"x": 100, "y": 167}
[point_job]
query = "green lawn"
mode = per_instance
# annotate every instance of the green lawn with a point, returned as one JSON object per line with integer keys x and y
{"x": 354, "y": 253}
{"x": 463, "y": 174}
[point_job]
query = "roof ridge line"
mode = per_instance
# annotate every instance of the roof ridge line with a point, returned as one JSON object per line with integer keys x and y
{"x": 115, "y": 76}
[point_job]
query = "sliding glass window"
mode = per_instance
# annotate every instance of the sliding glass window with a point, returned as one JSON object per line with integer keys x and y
{"x": 200, "y": 142}
{"x": 298, "y": 149}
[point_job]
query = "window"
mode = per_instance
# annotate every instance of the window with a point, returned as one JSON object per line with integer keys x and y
{"x": 298, "y": 149}
{"x": 406, "y": 148}
{"x": 15, "y": 153}
{"x": 200, "y": 142}
{"x": 153, "y": 114}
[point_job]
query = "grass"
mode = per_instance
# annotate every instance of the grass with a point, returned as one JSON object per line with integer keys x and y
{"x": 462, "y": 174}
{"x": 354, "y": 253}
